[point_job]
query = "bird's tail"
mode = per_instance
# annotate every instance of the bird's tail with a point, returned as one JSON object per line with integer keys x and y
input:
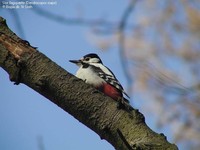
{"x": 124, "y": 104}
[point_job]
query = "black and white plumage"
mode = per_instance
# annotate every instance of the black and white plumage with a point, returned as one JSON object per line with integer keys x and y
{"x": 93, "y": 72}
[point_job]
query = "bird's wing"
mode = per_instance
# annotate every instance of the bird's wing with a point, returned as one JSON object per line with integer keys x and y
{"x": 109, "y": 78}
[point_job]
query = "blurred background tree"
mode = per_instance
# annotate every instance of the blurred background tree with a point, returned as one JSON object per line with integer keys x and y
{"x": 159, "y": 47}
{"x": 161, "y": 50}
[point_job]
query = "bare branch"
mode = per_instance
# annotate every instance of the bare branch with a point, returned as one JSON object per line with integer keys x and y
{"x": 73, "y": 21}
{"x": 26, "y": 65}
{"x": 99, "y": 22}
{"x": 122, "y": 27}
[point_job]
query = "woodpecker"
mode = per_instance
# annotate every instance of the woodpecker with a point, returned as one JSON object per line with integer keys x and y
{"x": 93, "y": 72}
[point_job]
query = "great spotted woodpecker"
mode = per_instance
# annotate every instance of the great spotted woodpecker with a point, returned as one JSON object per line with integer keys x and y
{"x": 93, "y": 72}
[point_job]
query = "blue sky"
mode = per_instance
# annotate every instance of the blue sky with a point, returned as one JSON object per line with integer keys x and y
{"x": 25, "y": 115}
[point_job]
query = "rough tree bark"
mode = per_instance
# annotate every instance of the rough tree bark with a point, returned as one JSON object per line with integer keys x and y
{"x": 25, "y": 64}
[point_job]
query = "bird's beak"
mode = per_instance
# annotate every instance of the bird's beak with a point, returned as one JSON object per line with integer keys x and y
{"x": 77, "y": 62}
{"x": 74, "y": 61}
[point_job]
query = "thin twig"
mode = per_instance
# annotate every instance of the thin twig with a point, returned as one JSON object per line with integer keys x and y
{"x": 124, "y": 140}
{"x": 122, "y": 26}
{"x": 75, "y": 21}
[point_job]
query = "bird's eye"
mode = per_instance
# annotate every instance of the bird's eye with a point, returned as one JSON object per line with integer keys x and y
{"x": 87, "y": 59}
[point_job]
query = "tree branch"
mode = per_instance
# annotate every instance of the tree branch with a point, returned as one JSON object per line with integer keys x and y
{"x": 27, "y": 65}
{"x": 121, "y": 28}
{"x": 73, "y": 21}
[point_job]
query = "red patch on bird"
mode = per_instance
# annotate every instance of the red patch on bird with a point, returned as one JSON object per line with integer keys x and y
{"x": 110, "y": 91}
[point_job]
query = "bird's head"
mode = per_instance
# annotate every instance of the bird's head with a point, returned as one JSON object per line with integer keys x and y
{"x": 87, "y": 59}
